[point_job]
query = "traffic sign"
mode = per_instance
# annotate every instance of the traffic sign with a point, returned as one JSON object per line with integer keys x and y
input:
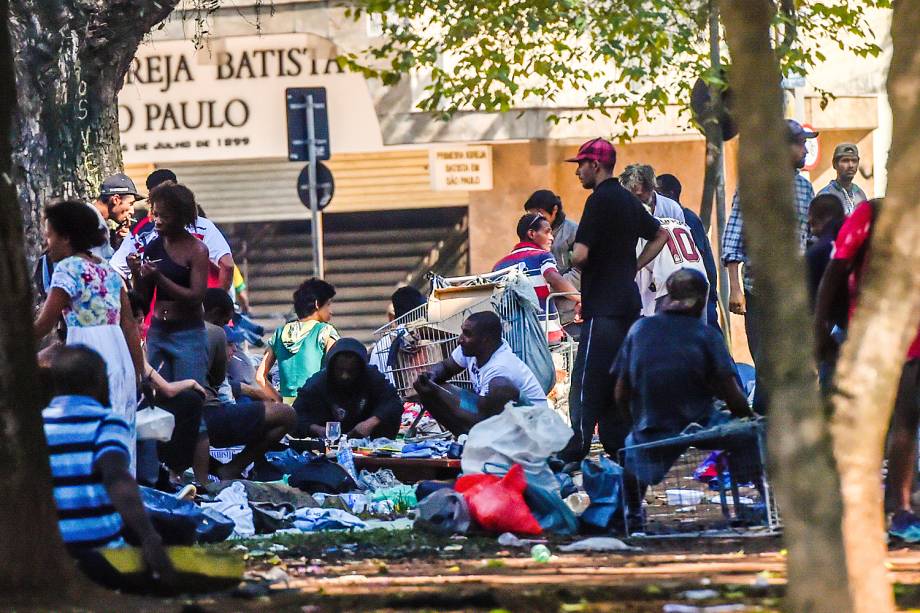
{"x": 812, "y": 150}
{"x": 325, "y": 186}
{"x": 296, "y": 102}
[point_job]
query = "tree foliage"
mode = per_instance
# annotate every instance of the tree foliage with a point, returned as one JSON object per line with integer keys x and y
{"x": 638, "y": 56}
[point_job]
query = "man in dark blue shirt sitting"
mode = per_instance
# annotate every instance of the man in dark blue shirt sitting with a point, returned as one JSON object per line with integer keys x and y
{"x": 670, "y": 370}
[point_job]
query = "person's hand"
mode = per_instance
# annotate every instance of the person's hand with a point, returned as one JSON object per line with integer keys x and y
{"x": 122, "y": 233}
{"x": 364, "y": 428}
{"x": 578, "y": 317}
{"x": 736, "y": 302}
{"x": 173, "y": 389}
{"x": 134, "y": 265}
{"x": 148, "y": 270}
{"x": 423, "y": 383}
{"x": 158, "y": 563}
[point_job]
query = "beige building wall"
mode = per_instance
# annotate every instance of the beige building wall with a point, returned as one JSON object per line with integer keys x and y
{"x": 521, "y": 168}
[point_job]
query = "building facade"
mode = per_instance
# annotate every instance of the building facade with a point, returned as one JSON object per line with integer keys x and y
{"x": 217, "y": 116}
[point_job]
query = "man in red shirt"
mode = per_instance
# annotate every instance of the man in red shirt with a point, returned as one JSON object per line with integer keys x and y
{"x": 848, "y": 261}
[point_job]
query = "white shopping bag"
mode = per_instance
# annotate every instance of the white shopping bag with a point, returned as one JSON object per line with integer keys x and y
{"x": 518, "y": 435}
{"x": 155, "y": 424}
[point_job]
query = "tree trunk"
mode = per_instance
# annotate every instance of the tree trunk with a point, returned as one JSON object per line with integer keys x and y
{"x": 69, "y": 63}
{"x": 34, "y": 558}
{"x": 71, "y": 57}
{"x": 801, "y": 458}
{"x": 883, "y": 327}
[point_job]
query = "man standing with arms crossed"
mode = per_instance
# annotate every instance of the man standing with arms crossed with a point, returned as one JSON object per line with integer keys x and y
{"x": 605, "y": 252}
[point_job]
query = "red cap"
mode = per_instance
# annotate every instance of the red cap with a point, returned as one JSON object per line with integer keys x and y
{"x": 599, "y": 150}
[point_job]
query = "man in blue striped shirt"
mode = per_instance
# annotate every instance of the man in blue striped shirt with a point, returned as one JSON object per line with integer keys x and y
{"x": 96, "y": 496}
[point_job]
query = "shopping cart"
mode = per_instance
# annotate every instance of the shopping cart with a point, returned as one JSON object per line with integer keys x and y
{"x": 563, "y": 353}
{"x": 427, "y": 335}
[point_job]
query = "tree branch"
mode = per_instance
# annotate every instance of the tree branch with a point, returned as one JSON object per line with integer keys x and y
{"x": 112, "y": 38}
{"x": 787, "y": 9}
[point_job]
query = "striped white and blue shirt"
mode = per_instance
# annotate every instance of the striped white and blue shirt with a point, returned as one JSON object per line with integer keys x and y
{"x": 80, "y": 431}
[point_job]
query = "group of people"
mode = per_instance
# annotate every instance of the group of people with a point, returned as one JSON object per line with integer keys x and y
{"x": 638, "y": 276}
{"x": 149, "y": 305}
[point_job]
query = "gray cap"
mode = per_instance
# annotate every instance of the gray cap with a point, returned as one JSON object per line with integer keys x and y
{"x": 845, "y": 149}
{"x": 119, "y": 184}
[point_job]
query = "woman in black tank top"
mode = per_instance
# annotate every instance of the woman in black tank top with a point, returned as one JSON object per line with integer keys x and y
{"x": 172, "y": 271}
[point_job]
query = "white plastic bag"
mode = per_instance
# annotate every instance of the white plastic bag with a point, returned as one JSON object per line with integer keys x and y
{"x": 518, "y": 435}
{"x": 155, "y": 424}
{"x": 234, "y": 503}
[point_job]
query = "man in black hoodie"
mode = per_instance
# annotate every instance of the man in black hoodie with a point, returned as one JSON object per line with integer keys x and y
{"x": 349, "y": 391}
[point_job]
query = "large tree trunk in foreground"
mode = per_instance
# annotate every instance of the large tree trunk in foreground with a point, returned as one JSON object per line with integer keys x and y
{"x": 69, "y": 63}
{"x": 883, "y": 327}
{"x": 33, "y": 556}
{"x": 71, "y": 57}
{"x": 801, "y": 458}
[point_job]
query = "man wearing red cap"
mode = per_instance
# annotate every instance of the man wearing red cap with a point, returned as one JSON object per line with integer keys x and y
{"x": 605, "y": 251}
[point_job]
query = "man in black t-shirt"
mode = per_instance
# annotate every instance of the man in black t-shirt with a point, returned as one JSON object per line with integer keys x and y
{"x": 605, "y": 251}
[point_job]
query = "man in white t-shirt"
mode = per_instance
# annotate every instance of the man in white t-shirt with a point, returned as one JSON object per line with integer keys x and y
{"x": 680, "y": 252}
{"x": 497, "y": 375}
{"x": 204, "y": 229}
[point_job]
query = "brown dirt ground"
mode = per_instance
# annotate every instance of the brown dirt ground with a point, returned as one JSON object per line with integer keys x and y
{"x": 327, "y": 574}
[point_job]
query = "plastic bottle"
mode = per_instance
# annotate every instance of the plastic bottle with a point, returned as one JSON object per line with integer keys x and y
{"x": 346, "y": 458}
{"x": 540, "y": 553}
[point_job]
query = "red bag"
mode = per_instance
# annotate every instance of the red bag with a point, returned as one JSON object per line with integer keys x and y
{"x": 497, "y": 504}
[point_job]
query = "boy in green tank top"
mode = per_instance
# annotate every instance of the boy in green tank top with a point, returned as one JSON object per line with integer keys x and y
{"x": 299, "y": 346}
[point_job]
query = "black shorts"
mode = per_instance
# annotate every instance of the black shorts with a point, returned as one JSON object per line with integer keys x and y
{"x": 230, "y": 423}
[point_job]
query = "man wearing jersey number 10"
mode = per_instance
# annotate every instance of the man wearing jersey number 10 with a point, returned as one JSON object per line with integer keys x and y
{"x": 679, "y": 252}
{"x": 605, "y": 251}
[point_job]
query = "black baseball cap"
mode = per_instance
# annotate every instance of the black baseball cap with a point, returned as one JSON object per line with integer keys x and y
{"x": 119, "y": 184}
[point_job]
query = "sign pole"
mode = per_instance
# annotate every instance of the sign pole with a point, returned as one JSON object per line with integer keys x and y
{"x": 316, "y": 231}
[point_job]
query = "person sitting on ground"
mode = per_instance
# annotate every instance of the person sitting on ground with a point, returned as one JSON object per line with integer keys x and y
{"x": 97, "y": 499}
{"x": 497, "y": 374}
{"x": 240, "y": 371}
{"x": 385, "y": 353}
{"x": 299, "y": 346}
{"x": 533, "y": 251}
{"x": 350, "y": 391}
{"x": 665, "y": 391}
{"x": 700, "y": 370}
{"x": 258, "y": 425}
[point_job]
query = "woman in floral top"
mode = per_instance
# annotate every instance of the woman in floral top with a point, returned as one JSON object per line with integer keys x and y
{"x": 93, "y": 301}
